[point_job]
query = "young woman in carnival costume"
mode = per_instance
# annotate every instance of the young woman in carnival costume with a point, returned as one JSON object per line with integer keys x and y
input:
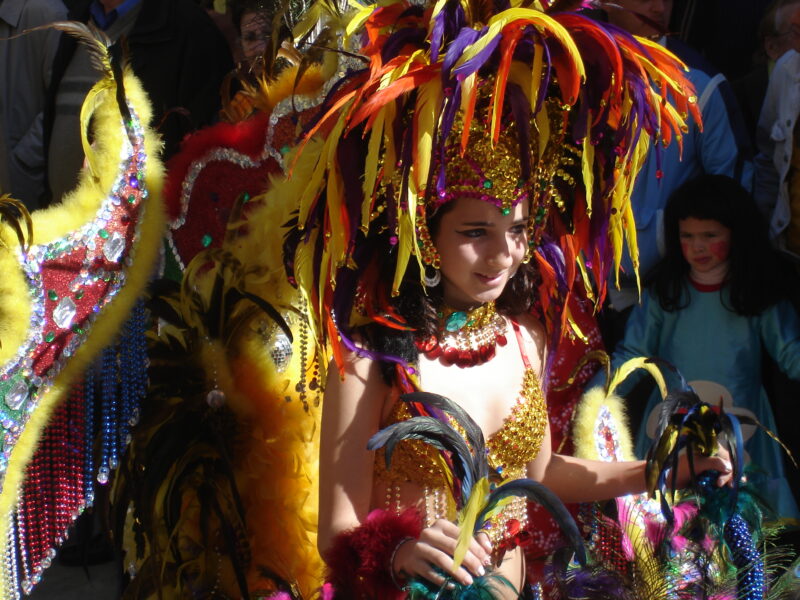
{"x": 449, "y": 194}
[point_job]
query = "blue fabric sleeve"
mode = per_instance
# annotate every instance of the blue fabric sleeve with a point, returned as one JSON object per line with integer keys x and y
{"x": 640, "y": 339}
{"x": 780, "y": 334}
{"x": 721, "y": 147}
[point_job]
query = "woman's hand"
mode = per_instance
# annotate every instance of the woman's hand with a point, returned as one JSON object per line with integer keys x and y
{"x": 434, "y": 549}
{"x": 721, "y": 462}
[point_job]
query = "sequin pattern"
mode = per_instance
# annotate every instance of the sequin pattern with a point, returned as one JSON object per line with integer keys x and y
{"x": 510, "y": 449}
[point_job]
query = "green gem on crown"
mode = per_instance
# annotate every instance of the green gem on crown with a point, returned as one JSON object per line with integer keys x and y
{"x": 487, "y": 184}
{"x": 506, "y": 211}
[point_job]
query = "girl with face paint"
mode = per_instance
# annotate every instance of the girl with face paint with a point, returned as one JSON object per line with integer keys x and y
{"x": 715, "y": 303}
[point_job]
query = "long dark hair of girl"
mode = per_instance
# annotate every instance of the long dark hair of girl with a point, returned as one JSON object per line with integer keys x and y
{"x": 420, "y": 306}
{"x": 753, "y": 280}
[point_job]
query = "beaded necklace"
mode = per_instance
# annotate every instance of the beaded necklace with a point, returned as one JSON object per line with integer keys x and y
{"x": 466, "y": 338}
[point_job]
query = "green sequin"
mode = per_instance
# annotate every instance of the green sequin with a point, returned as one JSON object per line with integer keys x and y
{"x": 103, "y": 234}
{"x": 49, "y": 337}
{"x": 52, "y": 295}
{"x": 206, "y": 240}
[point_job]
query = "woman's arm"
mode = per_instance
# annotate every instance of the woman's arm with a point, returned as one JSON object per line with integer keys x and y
{"x": 351, "y": 415}
{"x": 581, "y": 480}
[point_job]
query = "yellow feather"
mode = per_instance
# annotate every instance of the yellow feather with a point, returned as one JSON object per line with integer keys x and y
{"x": 407, "y": 239}
{"x": 363, "y": 12}
{"x": 539, "y": 20}
{"x": 587, "y": 281}
{"x": 429, "y": 102}
{"x": 371, "y": 166}
{"x": 638, "y": 363}
{"x": 536, "y": 76}
{"x": 587, "y": 164}
{"x": 389, "y": 156}
{"x": 467, "y": 519}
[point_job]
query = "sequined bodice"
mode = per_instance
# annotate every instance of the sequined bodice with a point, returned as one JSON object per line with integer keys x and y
{"x": 511, "y": 448}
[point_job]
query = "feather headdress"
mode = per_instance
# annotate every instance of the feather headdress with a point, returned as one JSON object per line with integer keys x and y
{"x": 564, "y": 105}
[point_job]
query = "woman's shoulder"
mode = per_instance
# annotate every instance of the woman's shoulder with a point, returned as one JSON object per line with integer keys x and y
{"x": 533, "y": 335}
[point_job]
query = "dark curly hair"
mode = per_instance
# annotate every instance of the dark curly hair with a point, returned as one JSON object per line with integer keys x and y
{"x": 754, "y": 280}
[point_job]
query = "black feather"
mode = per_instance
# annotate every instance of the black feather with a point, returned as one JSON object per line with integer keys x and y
{"x": 473, "y": 432}
{"x": 537, "y": 492}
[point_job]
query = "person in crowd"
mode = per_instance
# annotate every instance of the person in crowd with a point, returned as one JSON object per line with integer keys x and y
{"x": 253, "y": 20}
{"x": 777, "y": 189}
{"x": 719, "y": 147}
{"x": 714, "y": 306}
{"x": 774, "y": 40}
{"x": 177, "y": 52}
{"x": 25, "y": 77}
{"x": 708, "y": 26}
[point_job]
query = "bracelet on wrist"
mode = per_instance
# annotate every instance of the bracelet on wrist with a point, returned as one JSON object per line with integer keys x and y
{"x": 396, "y": 583}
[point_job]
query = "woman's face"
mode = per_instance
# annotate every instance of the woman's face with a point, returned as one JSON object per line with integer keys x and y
{"x": 705, "y": 243}
{"x": 255, "y": 28}
{"x": 480, "y": 250}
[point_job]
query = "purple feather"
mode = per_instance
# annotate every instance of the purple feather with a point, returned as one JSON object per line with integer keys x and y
{"x": 437, "y": 34}
{"x": 399, "y": 39}
{"x": 545, "y": 83}
{"x": 596, "y": 583}
{"x": 466, "y": 37}
{"x": 555, "y": 258}
{"x": 350, "y": 156}
{"x": 520, "y": 108}
{"x": 480, "y": 59}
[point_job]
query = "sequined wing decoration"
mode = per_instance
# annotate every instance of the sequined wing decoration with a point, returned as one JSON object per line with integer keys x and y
{"x": 64, "y": 297}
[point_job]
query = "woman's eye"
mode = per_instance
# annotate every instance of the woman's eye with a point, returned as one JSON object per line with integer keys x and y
{"x": 473, "y": 233}
{"x": 518, "y": 229}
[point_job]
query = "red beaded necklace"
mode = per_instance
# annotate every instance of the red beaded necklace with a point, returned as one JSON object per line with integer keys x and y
{"x": 466, "y": 338}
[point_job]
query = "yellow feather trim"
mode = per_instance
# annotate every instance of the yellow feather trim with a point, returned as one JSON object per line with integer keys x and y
{"x": 78, "y": 208}
{"x": 586, "y": 418}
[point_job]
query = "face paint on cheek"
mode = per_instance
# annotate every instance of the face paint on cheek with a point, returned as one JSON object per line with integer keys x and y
{"x": 720, "y": 250}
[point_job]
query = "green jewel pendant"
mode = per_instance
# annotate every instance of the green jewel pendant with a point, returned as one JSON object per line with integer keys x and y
{"x": 455, "y": 321}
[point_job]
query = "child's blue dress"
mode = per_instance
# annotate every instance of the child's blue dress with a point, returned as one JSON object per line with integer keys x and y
{"x": 719, "y": 353}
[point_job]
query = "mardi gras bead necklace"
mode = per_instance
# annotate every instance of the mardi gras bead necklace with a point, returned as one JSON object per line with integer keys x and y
{"x": 466, "y": 338}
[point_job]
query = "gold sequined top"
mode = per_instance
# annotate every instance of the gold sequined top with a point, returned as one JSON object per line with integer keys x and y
{"x": 511, "y": 448}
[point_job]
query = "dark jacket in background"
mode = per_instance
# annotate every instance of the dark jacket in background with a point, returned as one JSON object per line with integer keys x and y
{"x": 180, "y": 57}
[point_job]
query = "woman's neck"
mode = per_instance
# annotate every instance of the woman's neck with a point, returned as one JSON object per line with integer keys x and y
{"x": 715, "y": 276}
